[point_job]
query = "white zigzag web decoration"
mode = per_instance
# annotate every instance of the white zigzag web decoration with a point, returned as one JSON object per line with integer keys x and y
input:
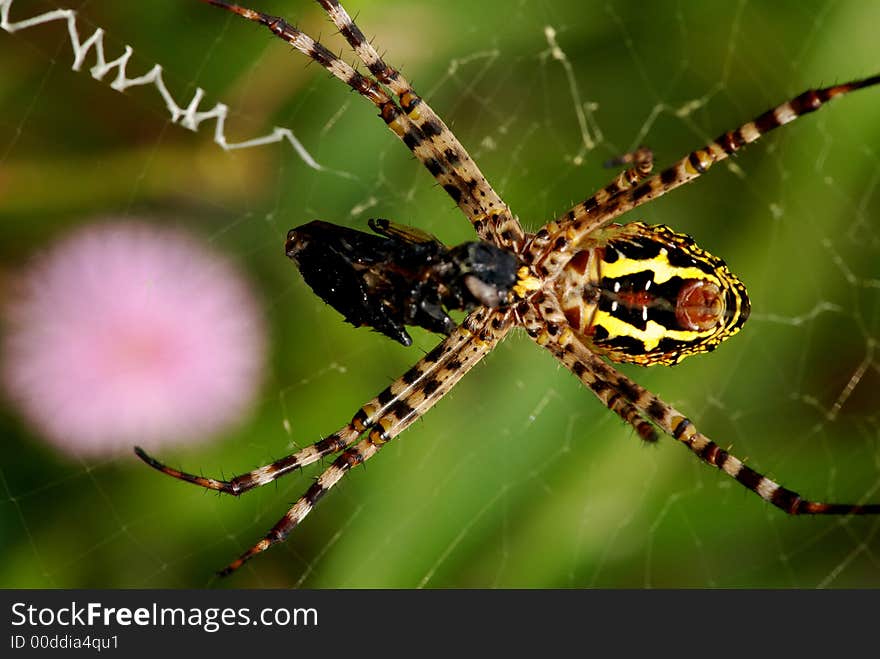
{"x": 189, "y": 117}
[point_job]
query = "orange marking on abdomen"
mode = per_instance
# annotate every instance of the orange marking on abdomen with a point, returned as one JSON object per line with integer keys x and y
{"x": 635, "y": 299}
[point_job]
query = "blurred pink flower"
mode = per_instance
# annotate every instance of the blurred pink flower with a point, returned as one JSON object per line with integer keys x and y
{"x": 128, "y": 333}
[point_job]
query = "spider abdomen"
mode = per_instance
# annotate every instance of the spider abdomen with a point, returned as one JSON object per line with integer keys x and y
{"x": 648, "y": 295}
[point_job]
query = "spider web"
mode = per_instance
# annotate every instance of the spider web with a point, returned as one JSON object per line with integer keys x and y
{"x": 520, "y": 477}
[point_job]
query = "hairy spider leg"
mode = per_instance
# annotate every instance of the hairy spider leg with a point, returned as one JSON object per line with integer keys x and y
{"x": 501, "y": 227}
{"x": 565, "y": 234}
{"x": 601, "y": 379}
{"x": 404, "y": 401}
{"x": 423, "y": 376}
{"x": 240, "y": 484}
{"x": 642, "y": 160}
{"x": 542, "y": 318}
{"x": 462, "y": 182}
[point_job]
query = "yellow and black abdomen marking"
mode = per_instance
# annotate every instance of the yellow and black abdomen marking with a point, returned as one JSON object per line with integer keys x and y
{"x": 647, "y": 295}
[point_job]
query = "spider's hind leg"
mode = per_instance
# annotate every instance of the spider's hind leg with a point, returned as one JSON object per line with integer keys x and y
{"x": 614, "y": 398}
{"x": 548, "y": 328}
{"x": 591, "y": 369}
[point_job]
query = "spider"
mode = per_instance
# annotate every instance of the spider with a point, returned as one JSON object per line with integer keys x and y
{"x": 585, "y": 289}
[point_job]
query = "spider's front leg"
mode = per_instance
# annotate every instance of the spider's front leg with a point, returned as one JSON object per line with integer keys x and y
{"x": 490, "y": 216}
{"x": 266, "y": 474}
{"x": 402, "y": 403}
{"x": 563, "y": 236}
{"x": 410, "y": 118}
{"x": 422, "y": 375}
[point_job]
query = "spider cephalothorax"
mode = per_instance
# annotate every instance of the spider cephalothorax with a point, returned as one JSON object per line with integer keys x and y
{"x": 581, "y": 287}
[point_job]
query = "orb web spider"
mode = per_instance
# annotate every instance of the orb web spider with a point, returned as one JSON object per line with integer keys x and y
{"x": 584, "y": 288}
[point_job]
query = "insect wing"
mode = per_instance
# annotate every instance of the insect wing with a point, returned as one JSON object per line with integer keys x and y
{"x": 402, "y": 233}
{"x": 344, "y": 267}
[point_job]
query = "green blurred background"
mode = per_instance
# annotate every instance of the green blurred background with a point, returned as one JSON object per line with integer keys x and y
{"x": 520, "y": 478}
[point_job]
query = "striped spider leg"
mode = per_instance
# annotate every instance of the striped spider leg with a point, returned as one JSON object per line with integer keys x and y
{"x": 411, "y": 119}
{"x": 500, "y": 226}
{"x": 375, "y": 424}
{"x": 611, "y": 386}
{"x": 556, "y": 240}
